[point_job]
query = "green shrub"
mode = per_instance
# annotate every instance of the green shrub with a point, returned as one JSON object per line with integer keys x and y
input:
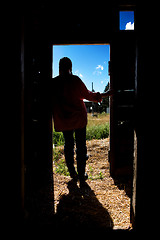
{"x": 97, "y": 132}
{"x": 58, "y": 138}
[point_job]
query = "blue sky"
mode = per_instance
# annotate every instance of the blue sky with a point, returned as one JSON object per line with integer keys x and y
{"x": 89, "y": 62}
{"x": 126, "y": 20}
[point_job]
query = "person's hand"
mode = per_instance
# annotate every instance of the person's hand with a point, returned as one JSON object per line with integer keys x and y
{"x": 108, "y": 93}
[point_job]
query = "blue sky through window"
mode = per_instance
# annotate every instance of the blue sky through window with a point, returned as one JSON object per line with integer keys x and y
{"x": 126, "y": 20}
{"x": 89, "y": 62}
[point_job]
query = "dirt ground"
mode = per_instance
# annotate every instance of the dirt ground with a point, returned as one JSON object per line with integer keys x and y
{"x": 102, "y": 203}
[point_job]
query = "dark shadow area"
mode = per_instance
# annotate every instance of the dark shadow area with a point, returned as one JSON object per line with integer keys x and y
{"x": 81, "y": 209}
{"x": 124, "y": 183}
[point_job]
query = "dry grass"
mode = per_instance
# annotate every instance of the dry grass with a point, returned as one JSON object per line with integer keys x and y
{"x": 101, "y": 119}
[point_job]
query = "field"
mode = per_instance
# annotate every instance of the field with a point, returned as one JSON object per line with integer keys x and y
{"x": 101, "y": 119}
{"x": 97, "y": 128}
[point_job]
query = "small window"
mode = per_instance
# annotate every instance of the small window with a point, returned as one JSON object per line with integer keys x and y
{"x": 126, "y": 20}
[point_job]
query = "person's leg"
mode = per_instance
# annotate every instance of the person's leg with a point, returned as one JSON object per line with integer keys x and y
{"x": 69, "y": 152}
{"x": 81, "y": 151}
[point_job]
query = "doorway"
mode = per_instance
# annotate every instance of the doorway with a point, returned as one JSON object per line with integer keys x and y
{"x": 90, "y": 63}
{"x": 103, "y": 202}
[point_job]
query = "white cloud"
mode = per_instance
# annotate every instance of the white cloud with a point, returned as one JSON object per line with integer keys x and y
{"x": 78, "y": 74}
{"x": 100, "y": 67}
{"x": 129, "y": 26}
{"x": 98, "y": 70}
{"x": 101, "y": 82}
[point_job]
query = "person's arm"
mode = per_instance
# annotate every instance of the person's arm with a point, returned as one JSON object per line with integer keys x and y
{"x": 108, "y": 93}
{"x": 88, "y": 95}
{"x": 93, "y": 96}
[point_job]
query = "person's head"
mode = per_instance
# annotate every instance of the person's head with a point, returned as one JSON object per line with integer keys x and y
{"x": 65, "y": 66}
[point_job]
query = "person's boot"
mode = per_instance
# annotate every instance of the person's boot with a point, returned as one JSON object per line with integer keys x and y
{"x": 69, "y": 157}
{"x": 81, "y": 165}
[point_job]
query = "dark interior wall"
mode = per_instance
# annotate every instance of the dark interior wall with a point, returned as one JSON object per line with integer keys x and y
{"x": 146, "y": 105}
{"x": 38, "y": 124}
{"x": 13, "y": 138}
{"x": 123, "y": 55}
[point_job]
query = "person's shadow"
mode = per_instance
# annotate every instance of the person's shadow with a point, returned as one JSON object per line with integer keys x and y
{"x": 81, "y": 209}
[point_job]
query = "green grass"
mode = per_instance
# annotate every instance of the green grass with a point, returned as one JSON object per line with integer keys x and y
{"x": 94, "y": 177}
{"x": 60, "y": 164}
{"x": 97, "y": 128}
{"x": 61, "y": 168}
{"x": 58, "y": 138}
{"x": 97, "y": 132}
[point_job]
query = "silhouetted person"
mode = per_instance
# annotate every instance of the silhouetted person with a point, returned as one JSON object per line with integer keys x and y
{"x": 70, "y": 115}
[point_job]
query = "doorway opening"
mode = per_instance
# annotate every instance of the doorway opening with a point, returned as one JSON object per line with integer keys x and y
{"x": 90, "y": 63}
{"x": 102, "y": 203}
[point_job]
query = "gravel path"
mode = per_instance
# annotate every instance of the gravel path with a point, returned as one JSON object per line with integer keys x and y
{"x": 102, "y": 203}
